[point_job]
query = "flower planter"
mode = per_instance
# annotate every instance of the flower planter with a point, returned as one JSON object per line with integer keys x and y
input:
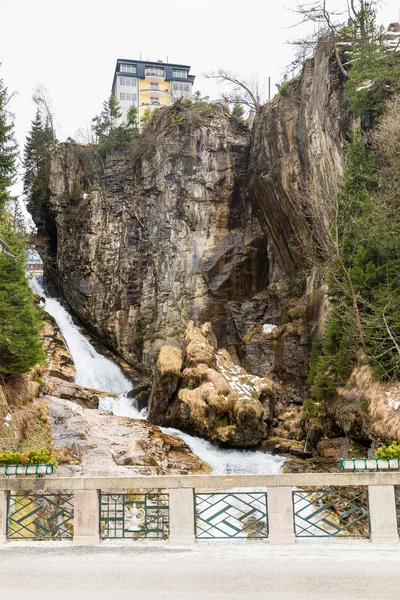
{"x": 36, "y": 469}
{"x": 369, "y": 464}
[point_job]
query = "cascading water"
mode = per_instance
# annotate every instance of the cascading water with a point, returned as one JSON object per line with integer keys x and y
{"x": 98, "y": 372}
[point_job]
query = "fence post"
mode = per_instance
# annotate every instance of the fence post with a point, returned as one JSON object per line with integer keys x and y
{"x": 3, "y": 516}
{"x": 86, "y": 517}
{"x": 280, "y": 515}
{"x": 382, "y": 509}
{"x": 181, "y": 516}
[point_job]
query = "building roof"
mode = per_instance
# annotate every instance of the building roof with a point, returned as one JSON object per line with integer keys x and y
{"x": 142, "y": 64}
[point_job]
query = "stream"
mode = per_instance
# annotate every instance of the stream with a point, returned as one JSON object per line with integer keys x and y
{"x": 94, "y": 370}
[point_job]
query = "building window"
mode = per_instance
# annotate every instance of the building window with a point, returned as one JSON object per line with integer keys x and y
{"x": 179, "y": 73}
{"x": 154, "y": 100}
{"x": 128, "y": 69}
{"x": 154, "y": 85}
{"x": 154, "y": 72}
{"x": 128, "y": 81}
{"x": 129, "y": 97}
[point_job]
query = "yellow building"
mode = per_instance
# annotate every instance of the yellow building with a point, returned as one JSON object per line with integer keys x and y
{"x": 149, "y": 85}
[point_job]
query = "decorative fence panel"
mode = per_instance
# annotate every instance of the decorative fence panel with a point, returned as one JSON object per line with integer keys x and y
{"x": 397, "y": 493}
{"x": 134, "y": 516}
{"x": 40, "y": 516}
{"x": 231, "y": 515}
{"x": 334, "y": 513}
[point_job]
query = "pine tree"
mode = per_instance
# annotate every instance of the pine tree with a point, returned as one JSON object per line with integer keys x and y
{"x": 238, "y": 113}
{"x": 8, "y": 148}
{"x": 39, "y": 143}
{"x": 106, "y": 121}
{"x": 20, "y": 346}
{"x": 132, "y": 117}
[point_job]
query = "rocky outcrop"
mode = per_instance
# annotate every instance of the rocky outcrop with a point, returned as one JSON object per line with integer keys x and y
{"x": 296, "y": 162}
{"x": 86, "y": 397}
{"x": 202, "y": 220}
{"x": 91, "y": 442}
{"x": 59, "y": 360}
{"x": 208, "y": 394}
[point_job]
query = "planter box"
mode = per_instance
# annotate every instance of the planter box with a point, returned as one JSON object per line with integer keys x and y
{"x": 37, "y": 469}
{"x": 369, "y": 464}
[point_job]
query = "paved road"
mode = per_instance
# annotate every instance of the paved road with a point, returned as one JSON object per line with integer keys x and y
{"x": 217, "y": 571}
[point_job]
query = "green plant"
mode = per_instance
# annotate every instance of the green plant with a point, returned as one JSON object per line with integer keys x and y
{"x": 283, "y": 90}
{"x": 41, "y": 456}
{"x": 392, "y": 451}
{"x": 311, "y": 408}
{"x": 238, "y": 113}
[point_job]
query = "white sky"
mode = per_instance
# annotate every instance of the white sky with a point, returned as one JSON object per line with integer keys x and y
{"x": 71, "y": 46}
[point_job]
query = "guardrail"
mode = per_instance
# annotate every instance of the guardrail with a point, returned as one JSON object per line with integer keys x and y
{"x": 278, "y": 508}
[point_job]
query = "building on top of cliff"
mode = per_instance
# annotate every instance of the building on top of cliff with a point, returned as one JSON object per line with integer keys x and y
{"x": 149, "y": 85}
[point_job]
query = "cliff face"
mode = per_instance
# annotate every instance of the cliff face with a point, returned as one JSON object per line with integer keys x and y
{"x": 205, "y": 221}
{"x": 162, "y": 240}
{"x": 296, "y": 161}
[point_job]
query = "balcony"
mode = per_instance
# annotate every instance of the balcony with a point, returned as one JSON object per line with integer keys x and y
{"x": 154, "y": 73}
{"x": 150, "y": 105}
{"x": 157, "y": 92}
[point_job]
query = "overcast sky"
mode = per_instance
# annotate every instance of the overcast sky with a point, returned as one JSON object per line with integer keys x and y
{"x": 71, "y": 46}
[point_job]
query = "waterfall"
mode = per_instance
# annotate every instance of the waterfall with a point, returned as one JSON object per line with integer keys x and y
{"x": 100, "y": 373}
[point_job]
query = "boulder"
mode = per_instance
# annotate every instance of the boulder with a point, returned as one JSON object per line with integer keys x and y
{"x": 83, "y": 396}
{"x": 208, "y": 394}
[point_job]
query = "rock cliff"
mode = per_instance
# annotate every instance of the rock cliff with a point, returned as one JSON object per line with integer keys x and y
{"x": 203, "y": 220}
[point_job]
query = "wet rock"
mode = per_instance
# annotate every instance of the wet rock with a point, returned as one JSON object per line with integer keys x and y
{"x": 72, "y": 391}
{"x": 208, "y": 394}
{"x": 99, "y": 443}
{"x": 166, "y": 379}
{"x": 334, "y": 448}
{"x": 279, "y": 445}
{"x": 59, "y": 360}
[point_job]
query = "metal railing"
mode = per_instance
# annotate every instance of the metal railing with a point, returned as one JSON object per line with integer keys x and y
{"x": 154, "y": 73}
{"x": 368, "y": 464}
{"x": 231, "y": 515}
{"x": 40, "y": 516}
{"x": 39, "y": 470}
{"x": 134, "y": 516}
{"x": 331, "y": 513}
{"x": 274, "y": 508}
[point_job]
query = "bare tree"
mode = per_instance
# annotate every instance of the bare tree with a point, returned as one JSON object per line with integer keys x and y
{"x": 241, "y": 91}
{"x": 45, "y": 106}
{"x": 333, "y": 25}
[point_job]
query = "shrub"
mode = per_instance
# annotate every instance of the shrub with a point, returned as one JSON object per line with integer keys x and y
{"x": 33, "y": 457}
{"x": 392, "y": 451}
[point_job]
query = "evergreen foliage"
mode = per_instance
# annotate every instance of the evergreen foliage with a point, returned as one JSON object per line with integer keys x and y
{"x": 364, "y": 283}
{"x": 110, "y": 135}
{"x": 238, "y": 113}
{"x": 8, "y": 148}
{"x": 374, "y": 70}
{"x": 20, "y": 346}
{"x": 38, "y": 146}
